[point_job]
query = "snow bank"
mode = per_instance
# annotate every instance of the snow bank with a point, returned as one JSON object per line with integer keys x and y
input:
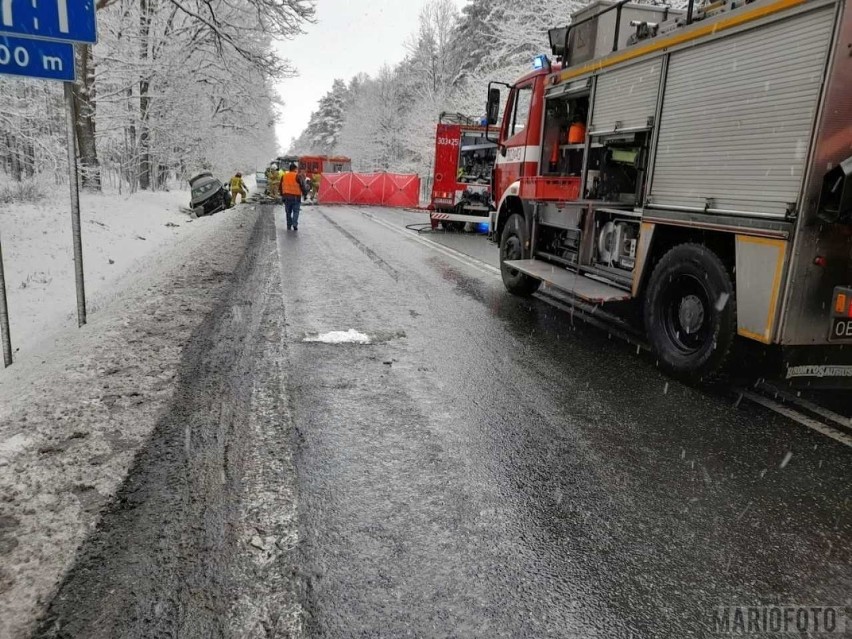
{"x": 118, "y": 231}
{"x": 74, "y": 413}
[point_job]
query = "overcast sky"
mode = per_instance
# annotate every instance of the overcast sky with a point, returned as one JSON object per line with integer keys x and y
{"x": 350, "y": 37}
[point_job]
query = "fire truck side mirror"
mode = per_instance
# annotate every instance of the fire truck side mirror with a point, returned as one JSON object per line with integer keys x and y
{"x": 493, "y": 109}
{"x": 835, "y": 202}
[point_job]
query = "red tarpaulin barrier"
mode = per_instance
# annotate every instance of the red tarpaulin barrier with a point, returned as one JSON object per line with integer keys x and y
{"x": 401, "y": 190}
{"x": 370, "y": 189}
{"x": 362, "y": 191}
{"x": 335, "y": 188}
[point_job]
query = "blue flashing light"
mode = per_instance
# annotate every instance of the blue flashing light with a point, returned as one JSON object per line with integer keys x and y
{"x": 540, "y": 62}
{"x": 482, "y": 227}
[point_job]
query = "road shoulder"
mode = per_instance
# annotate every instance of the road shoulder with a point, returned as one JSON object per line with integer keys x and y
{"x": 72, "y": 423}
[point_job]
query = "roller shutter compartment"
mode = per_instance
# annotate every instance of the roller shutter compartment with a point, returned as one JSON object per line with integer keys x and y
{"x": 738, "y": 115}
{"x": 626, "y": 96}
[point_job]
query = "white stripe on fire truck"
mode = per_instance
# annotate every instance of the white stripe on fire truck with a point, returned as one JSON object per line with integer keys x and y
{"x": 518, "y": 154}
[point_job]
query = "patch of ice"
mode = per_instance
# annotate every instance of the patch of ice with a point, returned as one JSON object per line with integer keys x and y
{"x": 340, "y": 337}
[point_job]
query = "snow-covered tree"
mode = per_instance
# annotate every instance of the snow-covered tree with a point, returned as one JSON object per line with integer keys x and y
{"x": 474, "y": 38}
{"x": 450, "y": 60}
{"x": 321, "y": 134}
{"x": 372, "y": 132}
{"x": 173, "y": 86}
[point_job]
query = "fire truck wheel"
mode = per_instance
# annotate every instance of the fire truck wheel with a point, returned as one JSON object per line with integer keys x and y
{"x": 690, "y": 312}
{"x": 514, "y": 246}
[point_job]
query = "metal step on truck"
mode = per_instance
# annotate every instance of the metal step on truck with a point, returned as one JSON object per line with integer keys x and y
{"x": 695, "y": 168}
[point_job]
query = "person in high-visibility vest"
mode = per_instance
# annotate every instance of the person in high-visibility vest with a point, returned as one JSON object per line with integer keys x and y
{"x": 238, "y": 187}
{"x": 293, "y": 188}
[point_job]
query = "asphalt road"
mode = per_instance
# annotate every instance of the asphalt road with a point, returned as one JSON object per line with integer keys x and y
{"x": 488, "y": 469}
{"x": 485, "y": 467}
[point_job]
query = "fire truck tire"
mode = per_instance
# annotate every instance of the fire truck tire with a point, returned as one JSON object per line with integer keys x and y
{"x": 514, "y": 245}
{"x": 690, "y": 312}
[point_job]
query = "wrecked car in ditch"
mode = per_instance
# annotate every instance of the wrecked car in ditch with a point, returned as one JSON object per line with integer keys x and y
{"x": 209, "y": 195}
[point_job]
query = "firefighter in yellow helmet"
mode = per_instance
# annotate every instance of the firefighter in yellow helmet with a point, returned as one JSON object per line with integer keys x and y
{"x": 238, "y": 187}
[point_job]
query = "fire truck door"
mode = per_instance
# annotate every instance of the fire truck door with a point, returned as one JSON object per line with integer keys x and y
{"x": 516, "y": 134}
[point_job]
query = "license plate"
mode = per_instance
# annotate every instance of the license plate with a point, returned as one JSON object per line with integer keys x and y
{"x": 841, "y": 329}
{"x": 841, "y": 311}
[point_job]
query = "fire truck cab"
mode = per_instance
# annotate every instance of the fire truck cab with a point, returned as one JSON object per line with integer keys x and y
{"x": 695, "y": 166}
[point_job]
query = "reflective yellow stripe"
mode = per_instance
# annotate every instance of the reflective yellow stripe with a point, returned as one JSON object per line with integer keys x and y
{"x": 739, "y": 17}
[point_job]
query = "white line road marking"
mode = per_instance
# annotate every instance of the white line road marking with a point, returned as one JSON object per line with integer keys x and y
{"x": 440, "y": 248}
{"x": 804, "y": 420}
{"x": 838, "y": 419}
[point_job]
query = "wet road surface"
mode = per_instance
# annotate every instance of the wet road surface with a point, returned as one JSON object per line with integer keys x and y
{"x": 485, "y": 467}
{"x": 489, "y": 470}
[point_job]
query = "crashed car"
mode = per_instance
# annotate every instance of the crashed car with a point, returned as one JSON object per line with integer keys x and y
{"x": 209, "y": 195}
{"x": 261, "y": 181}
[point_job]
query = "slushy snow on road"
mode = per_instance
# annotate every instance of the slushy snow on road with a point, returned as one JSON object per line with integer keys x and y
{"x": 340, "y": 337}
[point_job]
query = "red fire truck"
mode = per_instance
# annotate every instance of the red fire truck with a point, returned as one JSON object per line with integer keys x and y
{"x": 693, "y": 168}
{"x": 311, "y": 164}
{"x": 464, "y": 160}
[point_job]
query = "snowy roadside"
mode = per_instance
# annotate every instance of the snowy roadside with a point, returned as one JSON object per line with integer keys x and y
{"x": 76, "y": 410}
{"x": 120, "y": 236}
{"x": 38, "y": 259}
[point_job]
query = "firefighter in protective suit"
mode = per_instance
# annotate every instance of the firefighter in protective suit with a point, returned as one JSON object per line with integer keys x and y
{"x": 316, "y": 179}
{"x": 238, "y": 187}
{"x": 273, "y": 181}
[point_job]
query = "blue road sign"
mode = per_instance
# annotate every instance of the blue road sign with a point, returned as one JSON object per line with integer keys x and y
{"x": 65, "y": 20}
{"x": 37, "y": 58}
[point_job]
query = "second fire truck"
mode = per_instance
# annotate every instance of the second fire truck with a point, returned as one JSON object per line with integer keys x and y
{"x": 464, "y": 160}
